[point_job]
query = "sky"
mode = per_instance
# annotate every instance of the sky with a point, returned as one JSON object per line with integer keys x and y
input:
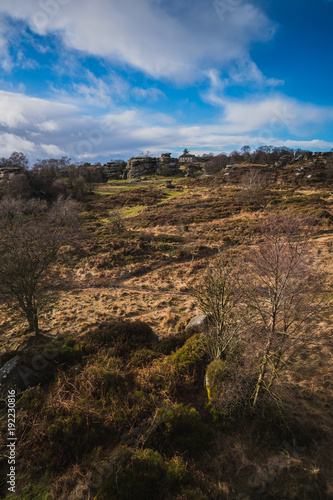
{"x": 107, "y": 79}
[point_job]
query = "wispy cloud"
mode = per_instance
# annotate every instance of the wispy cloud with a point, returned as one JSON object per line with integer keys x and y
{"x": 150, "y": 94}
{"x": 56, "y": 129}
{"x": 148, "y": 35}
{"x": 115, "y": 105}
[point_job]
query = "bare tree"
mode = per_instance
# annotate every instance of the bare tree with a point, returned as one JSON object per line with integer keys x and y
{"x": 218, "y": 296}
{"x": 92, "y": 175}
{"x": 31, "y": 234}
{"x": 216, "y": 164}
{"x": 254, "y": 184}
{"x": 283, "y": 288}
{"x": 15, "y": 185}
{"x": 16, "y": 161}
{"x": 117, "y": 222}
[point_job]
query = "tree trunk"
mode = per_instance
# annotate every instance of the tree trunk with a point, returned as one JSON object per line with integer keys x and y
{"x": 264, "y": 363}
{"x": 36, "y": 323}
{"x": 261, "y": 375}
{"x": 32, "y": 318}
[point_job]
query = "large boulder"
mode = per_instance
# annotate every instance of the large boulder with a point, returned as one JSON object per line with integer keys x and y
{"x": 15, "y": 374}
{"x": 38, "y": 363}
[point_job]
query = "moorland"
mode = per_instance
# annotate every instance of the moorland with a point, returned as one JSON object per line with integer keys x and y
{"x": 121, "y": 399}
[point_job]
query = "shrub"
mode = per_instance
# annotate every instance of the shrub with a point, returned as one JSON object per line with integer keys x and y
{"x": 117, "y": 222}
{"x": 143, "y": 357}
{"x": 171, "y": 343}
{"x": 40, "y": 363}
{"x": 179, "y": 371}
{"x": 296, "y": 483}
{"x": 133, "y": 475}
{"x": 64, "y": 350}
{"x": 75, "y": 434}
{"x": 102, "y": 380}
{"x": 218, "y": 372}
{"x": 229, "y": 388}
{"x": 180, "y": 429}
{"x": 176, "y": 473}
{"x": 192, "y": 494}
{"x": 140, "y": 474}
{"x": 123, "y": 336}
{"x": 273, "y": 422}
{"x": 190, "y": 355}
{"x": 39, "y": 490}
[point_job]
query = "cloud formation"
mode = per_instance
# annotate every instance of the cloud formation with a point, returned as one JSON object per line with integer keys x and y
{"x": 57, "y": 129}
{"x": 198, "y": 85}
{"x": 152, "y": 36}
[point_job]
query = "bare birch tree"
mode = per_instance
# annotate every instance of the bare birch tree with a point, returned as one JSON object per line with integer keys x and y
{"x": 283, "y": 288}
{"x": 217, "y": 296}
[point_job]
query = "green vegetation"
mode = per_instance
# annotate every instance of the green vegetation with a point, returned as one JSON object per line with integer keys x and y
{"x": 116, "y": 400}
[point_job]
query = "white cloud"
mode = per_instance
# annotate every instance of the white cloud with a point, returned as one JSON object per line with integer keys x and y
{"x": 151, "y": 36}
{"x": 6, "y": 62}
{"x": 53, "y": 150}
{"x": 97, "y": 94}
{"x": 310, "y": 145}
{"x": 275, "y": 111}
{"x": 12, "y": 142}
{"x": 246, "y": 72}
{"x": 19, "y": 110}
{"x": 41, "y": 128}
{"x": 50, "y": 126}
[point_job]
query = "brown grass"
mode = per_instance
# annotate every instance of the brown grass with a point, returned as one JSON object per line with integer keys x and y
{"x": 156, "y": 263}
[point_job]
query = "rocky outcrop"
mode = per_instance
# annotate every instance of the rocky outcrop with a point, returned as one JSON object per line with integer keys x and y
{"x": 167, "y": 169}
{"x": 9, "y": 171}
{"x": 113, "y": 170}
{"x": 143, "y": 166}
{"x": 140, "y": 166}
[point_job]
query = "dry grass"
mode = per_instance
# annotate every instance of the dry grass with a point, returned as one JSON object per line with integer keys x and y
{"x": 150, "y": 283}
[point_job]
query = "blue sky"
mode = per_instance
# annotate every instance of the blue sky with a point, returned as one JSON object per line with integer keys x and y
{"x": 103, "y": 79}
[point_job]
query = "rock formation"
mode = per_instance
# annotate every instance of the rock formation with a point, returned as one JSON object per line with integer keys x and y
{"x": 142, "y": 166}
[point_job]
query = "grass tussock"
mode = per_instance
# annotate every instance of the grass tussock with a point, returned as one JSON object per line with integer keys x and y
{"x": 121, "y": 402}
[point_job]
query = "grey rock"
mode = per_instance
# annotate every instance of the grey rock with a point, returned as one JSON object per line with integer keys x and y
{"x": 197, "y": 324}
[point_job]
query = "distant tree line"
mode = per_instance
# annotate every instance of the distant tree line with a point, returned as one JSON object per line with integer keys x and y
{"x": 264, "y": 155}
{"x": 47, "y": 179}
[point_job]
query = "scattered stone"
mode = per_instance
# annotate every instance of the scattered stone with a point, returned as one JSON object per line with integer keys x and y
{"x": 197, "y": 324}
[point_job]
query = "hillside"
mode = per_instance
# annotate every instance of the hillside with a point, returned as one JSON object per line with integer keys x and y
{"x": 120, "y": 410}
